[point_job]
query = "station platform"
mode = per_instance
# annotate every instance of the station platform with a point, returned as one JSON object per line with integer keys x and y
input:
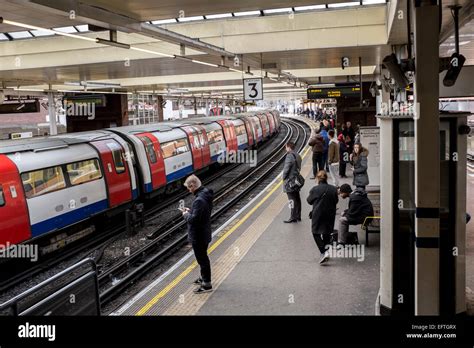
{"x": 262, "y": 266}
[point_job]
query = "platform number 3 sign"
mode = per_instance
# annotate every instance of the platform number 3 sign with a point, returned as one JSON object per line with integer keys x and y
{"x": 253, "y": 89}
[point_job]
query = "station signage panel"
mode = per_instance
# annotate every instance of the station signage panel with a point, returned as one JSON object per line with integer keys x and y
{"x": 20, "y": 107}
{"x": 98, "y": 100}
{"x": 253, "y": 89}
{"x": 332, "y": 92}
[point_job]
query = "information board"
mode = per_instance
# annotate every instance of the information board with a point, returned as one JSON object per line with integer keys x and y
{"x": 332, "y": 92}
{"x": 370, "y": 139}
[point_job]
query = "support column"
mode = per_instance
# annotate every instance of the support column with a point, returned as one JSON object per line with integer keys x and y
{"x": 427, "y": 158}
{"x": 53, "y": 128}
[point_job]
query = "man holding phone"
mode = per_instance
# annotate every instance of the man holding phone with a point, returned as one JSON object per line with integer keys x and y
{"x": 198, "y": 219}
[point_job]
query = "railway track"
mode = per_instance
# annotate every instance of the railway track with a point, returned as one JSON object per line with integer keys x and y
{"x": 100, "y": 241}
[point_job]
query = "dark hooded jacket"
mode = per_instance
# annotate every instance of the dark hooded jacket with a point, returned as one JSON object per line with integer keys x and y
{"x": 199, "y": 217}
{"x": 359, "y": 208}
{"x": 361, "y": 178}
{"x": 323, "y": 198}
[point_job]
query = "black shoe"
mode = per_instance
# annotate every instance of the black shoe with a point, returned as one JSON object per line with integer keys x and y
{"x": 298, "y": 219}
{"x": 197, "y": 281}
{"x": 290, "y": 221}
{"x": 202, "y": 289}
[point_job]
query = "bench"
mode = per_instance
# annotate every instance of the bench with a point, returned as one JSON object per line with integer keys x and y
{"x": 369, "y": 227}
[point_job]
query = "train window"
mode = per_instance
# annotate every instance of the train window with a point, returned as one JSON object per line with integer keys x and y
{"x": 215, "y": 136}
{"x": 240, "y": 130}
{"x": 2, "y": 197}
{"x": 150, "y": 150}
{"x": 174, "y": 148}
{"x": 43, "y": 181}
{"x": 117, "y": 157}
{"x": 84, "y": 171}
{"x": 181, "y": 146}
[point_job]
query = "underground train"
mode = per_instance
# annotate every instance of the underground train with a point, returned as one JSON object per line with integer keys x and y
{"x": 57, "y": 183}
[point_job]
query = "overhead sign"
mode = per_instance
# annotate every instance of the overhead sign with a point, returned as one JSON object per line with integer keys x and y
{"x": 253, "y": 89}
{"x": 333, "y": 92}
{"x": 98, "y": 100}
{"x": 19, "y": 107}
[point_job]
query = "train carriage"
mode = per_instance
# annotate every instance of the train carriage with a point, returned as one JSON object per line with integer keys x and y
{"x": 53, "y": 183}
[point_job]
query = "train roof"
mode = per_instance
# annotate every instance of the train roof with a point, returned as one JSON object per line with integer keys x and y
{"x": 65, "y": 140}
{"x": 51, "y": 142}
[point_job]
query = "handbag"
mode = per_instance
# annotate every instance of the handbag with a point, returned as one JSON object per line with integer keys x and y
{"x": 297, "y": 182}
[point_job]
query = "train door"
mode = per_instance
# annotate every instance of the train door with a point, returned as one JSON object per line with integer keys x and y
{"x": 155, "y": 160}
{"x": 271, "y": 122}
{"x": 250, "y": 131}
{"x": 229, "y": 134}
{"x": 206, "y": 152}
{"x": 264, "y": 124}
{"x": 14, "y": 218}
{"x": 195, "y": 143}
{"x": 117, "y": 175}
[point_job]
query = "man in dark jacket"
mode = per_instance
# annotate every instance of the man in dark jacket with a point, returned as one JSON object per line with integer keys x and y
{"x": 291, "y": 169}
{"x": 359, "y": 208}
{"x": 316, "y": 142}
{"x": 198, "y": 219}
{"x": 323, "y": 198}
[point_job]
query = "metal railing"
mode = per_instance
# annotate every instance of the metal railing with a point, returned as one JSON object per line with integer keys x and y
{"x": 79, "y": 295}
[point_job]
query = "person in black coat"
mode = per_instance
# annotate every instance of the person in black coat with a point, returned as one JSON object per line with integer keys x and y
{"x": 359, "y": 208}
{"x": 323, "y": 198}
{"x": 291, "y": 169}
{"x": 343, "y": 156}
{"x": 198, "y": 219}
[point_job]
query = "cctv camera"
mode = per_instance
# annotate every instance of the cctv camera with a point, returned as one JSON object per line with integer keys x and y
{"x": 391, "y": 63}
{"x": 456, "y": 63}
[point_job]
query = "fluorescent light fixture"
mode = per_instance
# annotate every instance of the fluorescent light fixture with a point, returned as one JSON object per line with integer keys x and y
{"x": 38, "y": 33}
{"x": 278, "y": 10}
{"x": 189, "y": 19}
{"x": 235, "y": 70}
{"x": 247, "y": 13}
{"x": 310, "y": 8}
{"x": 152, "y": 52}
{"x": 112, "y": 43}
{"x": 68, "y": 30}
{"x": 82, "y": 28}
{"x": 53, "y": 31}
{"x": 20, "y": 34}
{"x": 322, "y": 85}
{"x": 373, "y": 2}
{"x": 216, "y": 16}
{"x": 344, "y": 4}
{"x": 204, "y": 63}
{"x": 92, "y": 84}
{"x": 164, "y": 21}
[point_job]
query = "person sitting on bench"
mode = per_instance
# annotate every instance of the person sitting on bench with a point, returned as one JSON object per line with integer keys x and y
{"x": 359, "y": 208}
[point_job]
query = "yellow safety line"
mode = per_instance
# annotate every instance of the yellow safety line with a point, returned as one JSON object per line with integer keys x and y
{"x": 193, "y": 265}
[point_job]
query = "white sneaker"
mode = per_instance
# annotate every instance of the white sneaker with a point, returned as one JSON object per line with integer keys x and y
{"x": 324, "y": 258}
